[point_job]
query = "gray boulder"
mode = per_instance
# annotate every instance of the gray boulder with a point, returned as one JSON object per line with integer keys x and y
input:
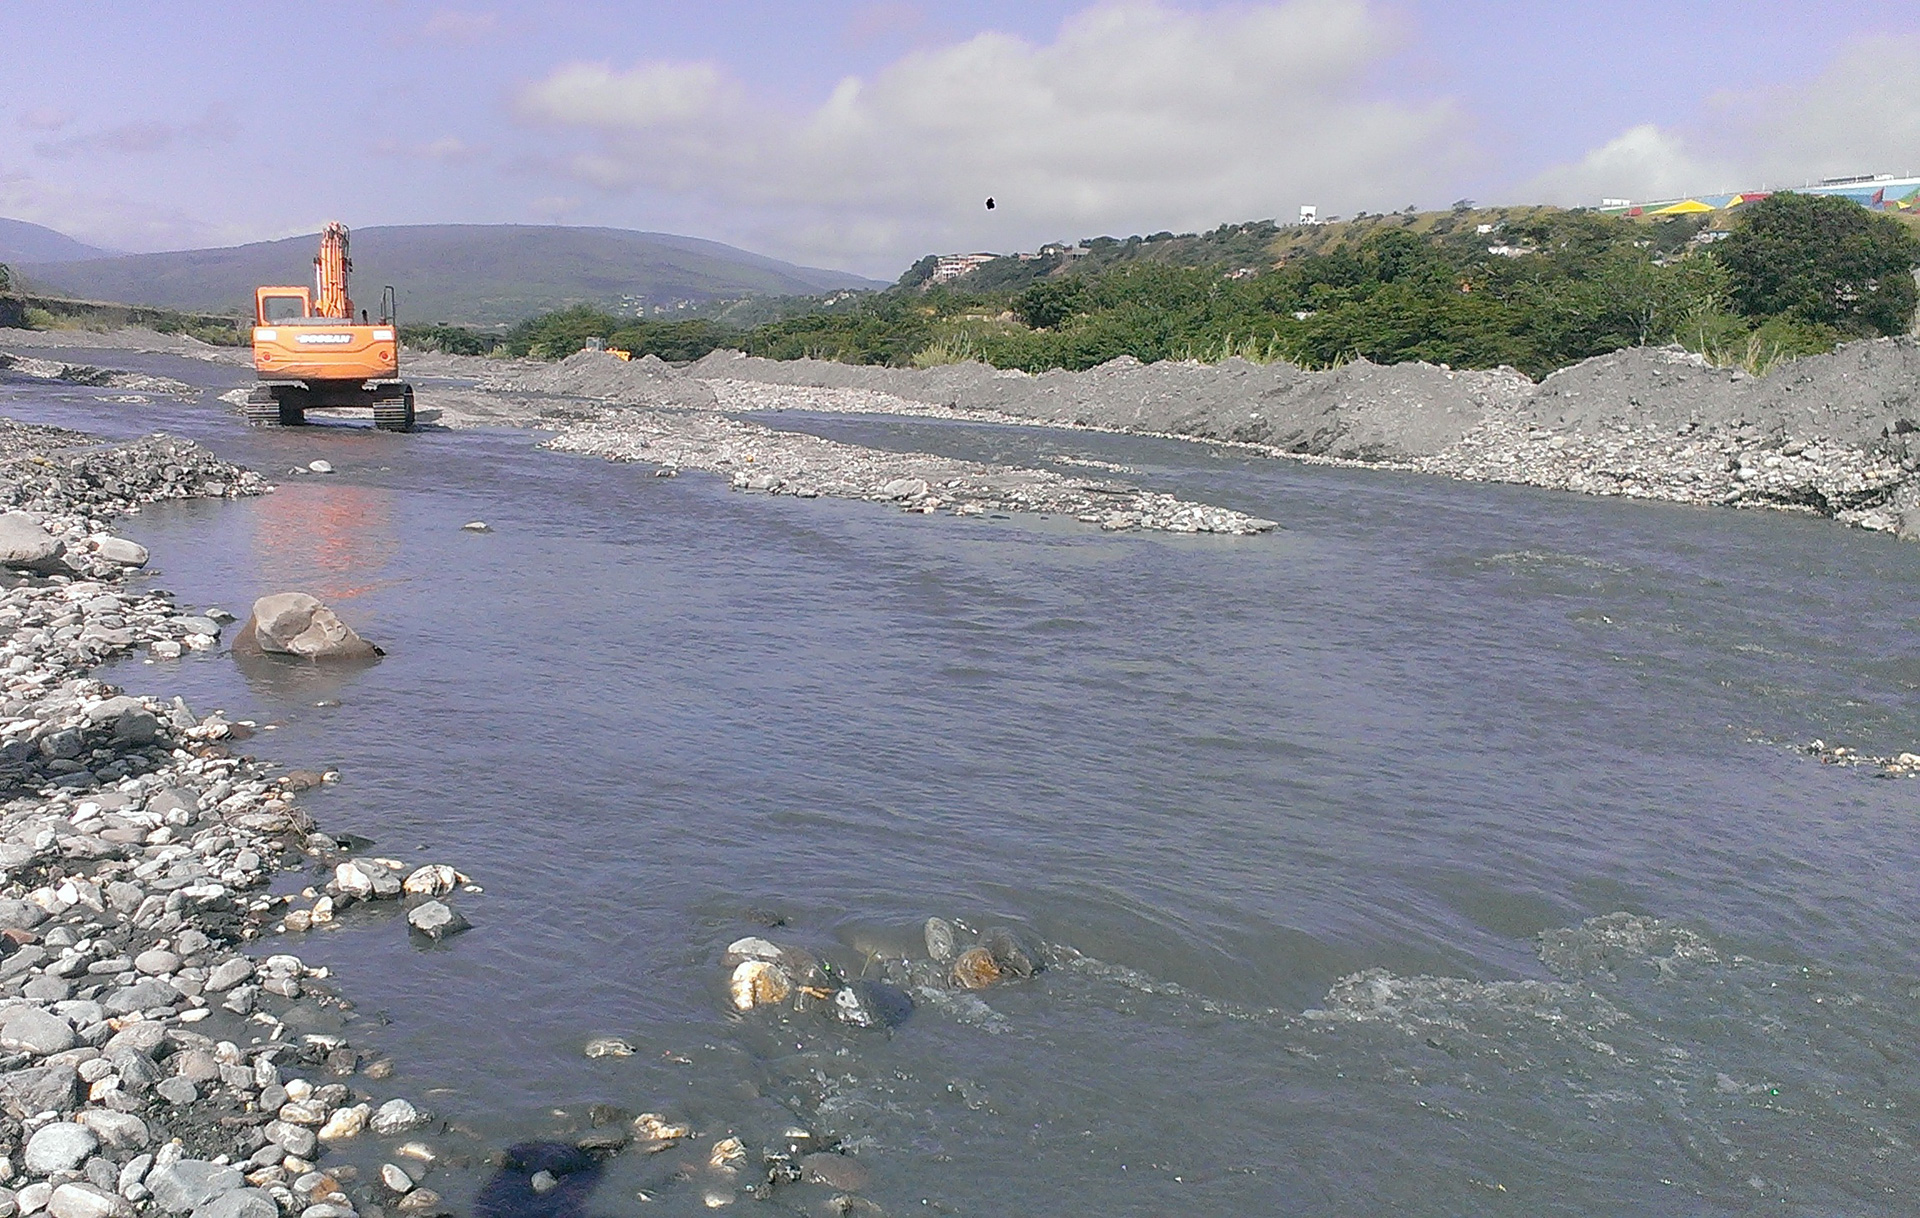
{"x": 241, "y": 1203}
{"x": 295, "y": 624}
{"x": 59, "y": 1146}
{"x": 74, "y": 1200}
{"x": 437, "y": 920}
{"x": 116, "y": 1130}
{"x": 228, "y": 974}
{"x": 16, "y": 914}
{"x": 120, "y": 551}
{"x": 176, "y": 799}
{"x": 156, "y": 960}
{"x": 294, "y": 1139}
{"x": 23, "y": 1093}
{"x": 25, "y": 546}
{"x": 177, "y": 1090}
{"x": 32, "y": 1030}
{"x": 131, "y": 722}
{"x": 191, "y": 1183}
{"x": 142, "y": 996}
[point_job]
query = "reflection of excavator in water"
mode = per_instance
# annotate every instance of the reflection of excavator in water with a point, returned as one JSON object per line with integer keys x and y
{"x": 308, "y": 350}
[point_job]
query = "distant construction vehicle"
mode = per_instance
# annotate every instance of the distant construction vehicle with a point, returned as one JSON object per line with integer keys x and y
{"x": 309, "y": 351}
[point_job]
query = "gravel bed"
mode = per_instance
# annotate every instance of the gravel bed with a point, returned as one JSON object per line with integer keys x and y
{"x": 155, "y": 1055}
{"x": 760, "y": 459}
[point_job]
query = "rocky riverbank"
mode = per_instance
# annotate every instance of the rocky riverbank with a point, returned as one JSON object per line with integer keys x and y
{"x": 1837, "y": 435}
{"x": 148, "y": 1063}
{"x": 760, "y": 459}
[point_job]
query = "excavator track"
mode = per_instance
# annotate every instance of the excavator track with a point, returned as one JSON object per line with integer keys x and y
{"x": 394, "y": 413}
{"x": 275, "y": 406}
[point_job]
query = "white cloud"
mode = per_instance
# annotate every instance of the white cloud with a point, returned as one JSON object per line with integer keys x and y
{"x": 1854, "y": 117}
{"x": 1642, "y": 162}
{"x": 1135, "y": 117}
{"x": 650, "y": 96}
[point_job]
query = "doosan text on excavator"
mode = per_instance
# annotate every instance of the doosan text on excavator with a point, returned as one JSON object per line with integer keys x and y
{"x": 310, "y": 351}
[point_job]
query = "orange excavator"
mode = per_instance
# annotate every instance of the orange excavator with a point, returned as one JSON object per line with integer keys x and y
{"x": 310, "y": 351}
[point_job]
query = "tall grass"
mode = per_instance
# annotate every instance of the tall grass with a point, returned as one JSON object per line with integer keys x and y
{"x": 1757, "y": 355}
{"x": 1249, "y": 347}
{"x": 947, "y": 349}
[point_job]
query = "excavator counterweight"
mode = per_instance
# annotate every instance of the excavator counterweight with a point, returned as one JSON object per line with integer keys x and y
{"x": 310, "y": 351}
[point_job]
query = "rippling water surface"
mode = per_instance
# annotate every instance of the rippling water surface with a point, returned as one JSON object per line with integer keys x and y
{"x": 1432, "y": 853}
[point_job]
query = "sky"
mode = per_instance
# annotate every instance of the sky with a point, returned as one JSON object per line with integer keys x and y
{"x": 860, "y": 135}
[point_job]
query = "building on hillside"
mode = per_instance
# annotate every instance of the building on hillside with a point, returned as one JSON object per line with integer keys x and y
{"x": 953, "y": 266}
{"x": 1876, "y": 192}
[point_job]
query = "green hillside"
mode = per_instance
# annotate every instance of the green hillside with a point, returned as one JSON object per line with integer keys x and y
{"x": 1536, "y": 288}
{"x": 483, "y": 275}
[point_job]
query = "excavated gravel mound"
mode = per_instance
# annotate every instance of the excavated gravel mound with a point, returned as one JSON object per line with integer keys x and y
{"x": 1362, "y": 411}
{"x": 1660, "y": 386}
{"x": 1835, "y": 434}
{"x": 1859, "y": 393}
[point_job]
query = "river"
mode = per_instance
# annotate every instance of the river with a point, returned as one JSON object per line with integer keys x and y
{"x": 1432, "y": 733}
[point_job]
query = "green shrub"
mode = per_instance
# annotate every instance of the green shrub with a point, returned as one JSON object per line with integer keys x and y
{"x": 1825, "y": 261}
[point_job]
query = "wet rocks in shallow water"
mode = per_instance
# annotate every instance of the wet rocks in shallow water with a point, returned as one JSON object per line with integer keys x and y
{"x": 753, "y": 947}
{"x": 297, "y": 625}
{"x": 396, "y": 1117}
{"x": 871, "y": 1004}
{"x": 1011, "y": 952}
{"x": 941, "y": 942}
{"x": 437, "y": 920}
{"x": 657, "y": 1133}
{"x": 834, "y": 1171}
{"x": 608, "y": 1046}
{"x": 432, "y": 880}
{"x": 975, "y": 969}
{"x": 759, "y": 983}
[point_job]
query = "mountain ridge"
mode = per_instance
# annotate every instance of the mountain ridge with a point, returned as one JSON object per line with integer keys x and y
{"x": 22, "y": 241}
{"x": 476, "y": 274}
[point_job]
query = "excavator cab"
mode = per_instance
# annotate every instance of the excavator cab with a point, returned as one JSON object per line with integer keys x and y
{"x": 278, "y": 306}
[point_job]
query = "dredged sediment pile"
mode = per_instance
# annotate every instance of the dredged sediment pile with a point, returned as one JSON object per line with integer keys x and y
{"x": 1835, "y": 434}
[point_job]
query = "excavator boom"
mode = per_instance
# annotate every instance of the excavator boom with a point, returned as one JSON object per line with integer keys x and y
{"x": 330, "y": 268}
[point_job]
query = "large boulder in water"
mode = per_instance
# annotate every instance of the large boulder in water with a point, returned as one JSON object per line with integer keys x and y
{"x": 25, "y": 546}
{"x": 295, "y": 624}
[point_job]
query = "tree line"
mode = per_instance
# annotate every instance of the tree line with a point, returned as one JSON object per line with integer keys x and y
{"x": 1540, "y": 290}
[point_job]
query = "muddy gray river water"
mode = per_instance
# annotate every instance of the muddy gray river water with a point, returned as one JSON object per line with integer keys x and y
{"x": 1438, "y": 853}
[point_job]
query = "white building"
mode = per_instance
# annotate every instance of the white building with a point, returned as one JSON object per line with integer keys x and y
{"x": 953, "y": 266}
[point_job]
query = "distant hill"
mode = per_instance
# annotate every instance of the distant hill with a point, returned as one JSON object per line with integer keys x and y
{"x": 479, "y": 274}
{"x": 21, "y": 242}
